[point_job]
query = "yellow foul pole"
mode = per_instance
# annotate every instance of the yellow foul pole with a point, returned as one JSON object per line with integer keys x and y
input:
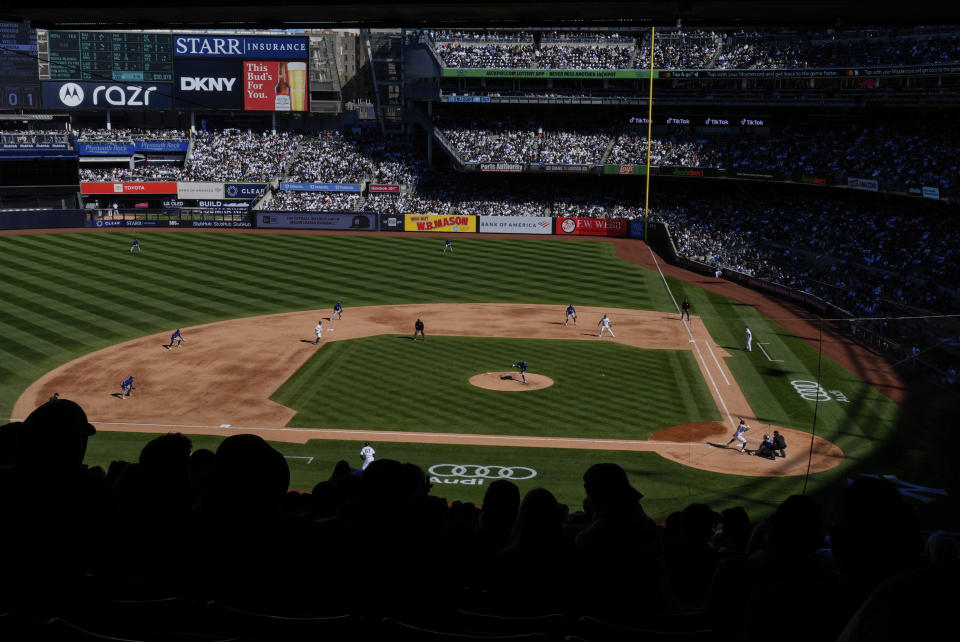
{"x": 646, "y": 203}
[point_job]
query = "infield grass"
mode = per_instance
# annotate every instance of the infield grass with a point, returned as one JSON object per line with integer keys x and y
{"x": 601, "y": 390}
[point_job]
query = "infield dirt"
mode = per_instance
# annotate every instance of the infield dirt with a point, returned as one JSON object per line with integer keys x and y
{"x": 220, "y": 381}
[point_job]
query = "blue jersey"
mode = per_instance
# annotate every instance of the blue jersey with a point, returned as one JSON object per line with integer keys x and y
{"x": 175, "y": 336}
{"x": 337, "y": 307}
{"x": 127, "y": 383}
{"x": 522, "y": 365}
{"x": 571, "y": 310}
{"x": 136, "y": 242}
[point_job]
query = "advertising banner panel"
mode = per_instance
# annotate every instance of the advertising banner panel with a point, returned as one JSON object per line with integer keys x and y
{"x": 128, "y": 188}
{"x": 516, "y": 225}
{"x": 866, "y": 184}
{"x": 106, "y": 95}
{"x": 930, "y": 192}
{"x": 320, "y": 187}
{"x": 567, "y": 169}
{"x": 440, "y": 223}
{"x": 384, "y": 189}
{"x": 104, "y": 149}
{"x": 243, "y": 190}
{"x": 593, "y": 226}
{"x": 208, "y": 83}
{"x": 119, "y": 223}
{"x": 161, "y": 145}
{"x": 636, "y": 228}
{"x": 317, "y": 220}
{"x": 227, "y": 46}
{"x": 269, "y": 85}
{"x": 501, "y": 167}
{"x": 199, "y": 190}
{"x": 221, "y": 224}
{"x": 391, "y": 223}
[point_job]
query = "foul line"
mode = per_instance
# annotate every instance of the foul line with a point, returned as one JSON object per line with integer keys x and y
{"x": 366, "y": 434}
{"x": 717, "y": 361}
{"x": 765, "y": 353}
{"x": 706, "y": 368}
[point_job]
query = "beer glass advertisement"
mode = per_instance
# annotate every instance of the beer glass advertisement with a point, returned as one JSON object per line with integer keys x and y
{"x": 270, "y": 85}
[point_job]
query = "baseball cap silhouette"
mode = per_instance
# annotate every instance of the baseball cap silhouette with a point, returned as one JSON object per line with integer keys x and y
{"x": 609, "y": 483}
{"x": 60, "y": 415}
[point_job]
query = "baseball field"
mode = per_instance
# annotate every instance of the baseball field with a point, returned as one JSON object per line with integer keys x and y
{"x": 80, "y": 312}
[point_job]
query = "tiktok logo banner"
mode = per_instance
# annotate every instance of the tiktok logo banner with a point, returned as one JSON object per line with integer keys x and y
{"x": 274, "y": 86}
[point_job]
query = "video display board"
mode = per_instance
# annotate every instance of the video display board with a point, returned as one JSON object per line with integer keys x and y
{"x": 100, "y": 56}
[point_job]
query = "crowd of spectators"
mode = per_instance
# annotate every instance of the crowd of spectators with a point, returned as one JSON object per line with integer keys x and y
{"x": 898, "y": 156}
{"x": 703, "y": 49}
{"x": 859, "y": 558}
{"x": 511, "y": 140}
{"x": 571, "y": 56}
{"x": 284, "y": 201}
{"x": 690, "y": 49}
{"x": 128, "y": 134}
{"x": 232, "y": 154}
{"x": 34, "y": 136}
{"x": 493, "y": 55}
{"x": 330, "y": 159}
{"x": 142, "y": 172}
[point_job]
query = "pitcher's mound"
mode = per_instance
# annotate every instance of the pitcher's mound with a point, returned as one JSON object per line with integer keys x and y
{"x": 499, "y": 381}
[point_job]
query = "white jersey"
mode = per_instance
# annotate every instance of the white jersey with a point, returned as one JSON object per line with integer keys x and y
{"x": 318, "y": 330}
{"x": 605, "y": 321}
{"x": 742, "y": 428}
{"x": 367, "y": 452}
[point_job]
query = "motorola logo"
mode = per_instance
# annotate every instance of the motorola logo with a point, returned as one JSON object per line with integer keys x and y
{"x": 71, "y": 94}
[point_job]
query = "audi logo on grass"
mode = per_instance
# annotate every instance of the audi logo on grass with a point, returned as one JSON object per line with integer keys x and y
{"x": 474, "y": 474}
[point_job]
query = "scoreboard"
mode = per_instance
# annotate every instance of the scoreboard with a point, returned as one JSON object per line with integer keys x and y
{"x": 18, "y": 67}
{"x": 105, "y": 56}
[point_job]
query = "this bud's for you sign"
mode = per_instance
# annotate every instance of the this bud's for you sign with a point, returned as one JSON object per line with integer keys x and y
{"x": 274, "y": 86}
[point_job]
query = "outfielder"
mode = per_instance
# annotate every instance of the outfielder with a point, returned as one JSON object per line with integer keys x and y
{"x": 337, "y": 310}
{"x": 749, "y": 339}
{"x": 571, "y": 314}
{"x": 135, "y": 246}
{"x": 523, "y": 365}
{"x": 126, "y": 387}
{"x": 448, "y": 245}
{"x": 318, "y": 330}
{"x": 742, "y": 427}
{"x": 605, "y": 325}
{"x": 367, "y": 452}
{"x": 176, "y": 336}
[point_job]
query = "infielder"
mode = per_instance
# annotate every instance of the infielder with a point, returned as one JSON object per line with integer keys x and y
{"x": 605, "y": 325}
{"x": 318, "y": 330}
{"x": 367, "y": 452}
{"x": 571, "y": 314}
{"x": 749, "y": 339}
{"x": 448, "y": 245}
{"x": 738, "y": 436}
{"x": 135, "y": 246}
{"x": 126, "y": 387}
{"x": 175, "y": 337}
{"x": 337, "y": 310}
{"x": 523, "y": 365}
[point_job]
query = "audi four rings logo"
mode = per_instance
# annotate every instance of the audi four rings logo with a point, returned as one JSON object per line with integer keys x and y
{"x": 810, "y": 390}
{"x": 71, "y": 94}
{"x": 474, "y": 471}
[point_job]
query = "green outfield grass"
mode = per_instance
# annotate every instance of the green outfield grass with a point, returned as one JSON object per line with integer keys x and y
{"x": 601, "y": 390}
{"x": 66, "y": 295}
